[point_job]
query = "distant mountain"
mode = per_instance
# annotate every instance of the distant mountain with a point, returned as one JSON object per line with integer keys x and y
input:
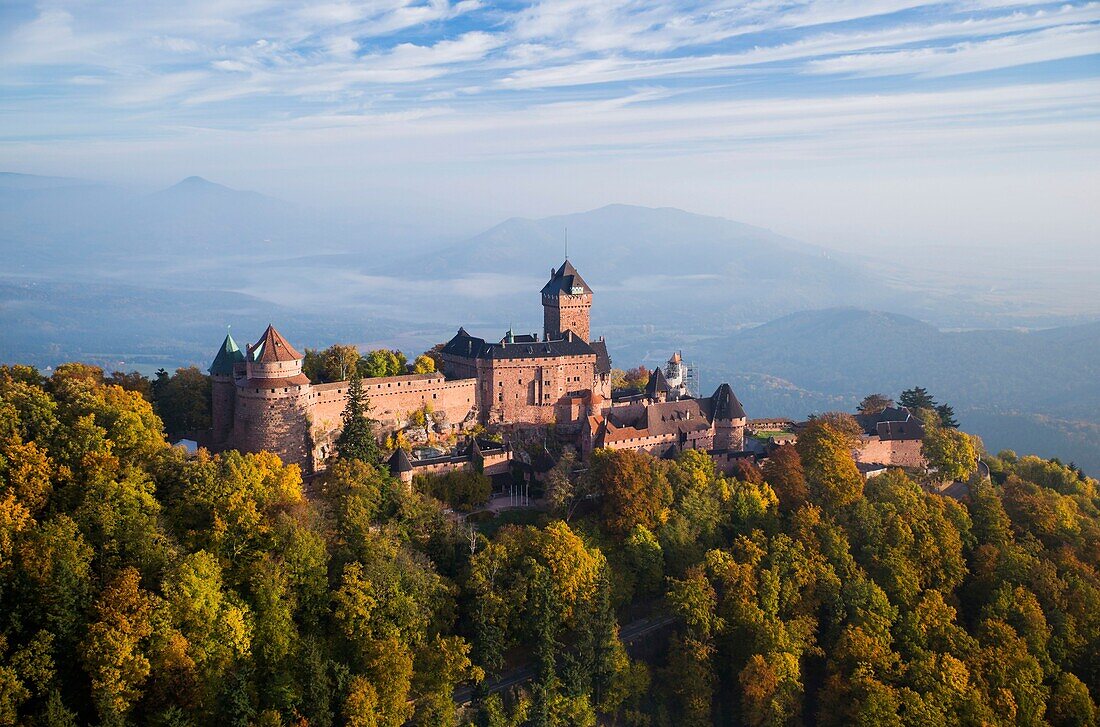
{"x": 665, "y": 265}
{"x": 50, "y": 225}
{"x": 1019, "y": 389}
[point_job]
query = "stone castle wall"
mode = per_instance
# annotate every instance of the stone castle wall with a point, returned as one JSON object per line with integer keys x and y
{"x": 222, "y": 394}
{"x": 392, "y": 399}
{"x": 570, "y": 313}
{"x": 896, "y": 452}
{"x": 274, "y": 420}
{"x": 528, "y": 390}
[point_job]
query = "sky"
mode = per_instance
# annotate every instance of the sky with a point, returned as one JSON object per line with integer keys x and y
{"x": 866, "y": 125}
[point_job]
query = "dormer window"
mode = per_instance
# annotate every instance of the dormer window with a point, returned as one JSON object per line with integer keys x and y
{"x": 576, "y": 290}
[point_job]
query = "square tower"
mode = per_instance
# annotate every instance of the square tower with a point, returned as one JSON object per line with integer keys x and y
{"x": 566, "y": 304}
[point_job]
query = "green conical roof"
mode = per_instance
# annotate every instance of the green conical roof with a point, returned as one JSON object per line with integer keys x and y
{"x": 228, "y": 354}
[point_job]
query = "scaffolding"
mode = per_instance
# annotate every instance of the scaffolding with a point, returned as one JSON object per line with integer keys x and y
{"x": 691, "y": 379}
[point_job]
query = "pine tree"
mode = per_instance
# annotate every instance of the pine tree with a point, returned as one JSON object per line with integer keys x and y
{"x": 917, "y": 398}
{"x": 357, "y": 440}
{"x": 947, "y": 416}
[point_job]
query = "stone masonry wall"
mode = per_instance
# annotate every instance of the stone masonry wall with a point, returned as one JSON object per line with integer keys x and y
{"x": 392, "y": 398}
{"x": 526, "y": 391}
{"x": 273, "y": 421}
{"x": 896, "y": 452}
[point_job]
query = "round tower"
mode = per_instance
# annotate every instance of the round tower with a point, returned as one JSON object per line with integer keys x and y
{"x": 223, "y": 391}
{"x": 273, "y": 402}
{"x": 566, "y": 304}
{"x": 728, "y": 418}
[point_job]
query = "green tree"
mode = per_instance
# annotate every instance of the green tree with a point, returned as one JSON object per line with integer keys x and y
{"x": 917, "y": 398}
{"x": 382, "y": 362}
{"x": 182, "y": 400}
{"x": 947, "y": 416}
{"x": 949, "y": 452}
{"x": 357, "y": 440}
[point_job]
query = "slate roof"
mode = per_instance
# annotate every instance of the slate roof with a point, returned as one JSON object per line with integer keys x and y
{"x": 657, "y": 383}
{"x": 685, "y": 415}
{"x": 725, "y": 404}
{"x": 228, "y": 354}
{"x": 467, "y": 346}
{"x": 564, "y": 280}
{"x": 895, "y": 422}
{"x": 399, "y": 462}
{"x": 603, "y": 361}
{"x": 669, "y": 417}
{"x": 272, "y": 347}
{"x": 895, "y": 430}
{"x": 510, "y": 337}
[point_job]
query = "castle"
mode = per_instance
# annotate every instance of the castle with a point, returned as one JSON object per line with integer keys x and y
{"x": 262, "y": 400}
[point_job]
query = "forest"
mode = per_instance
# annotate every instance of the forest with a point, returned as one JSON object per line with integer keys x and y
{"x": 142, "y": 585}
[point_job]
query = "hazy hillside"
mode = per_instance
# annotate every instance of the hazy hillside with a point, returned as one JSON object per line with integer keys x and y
{"x": 666, "y": 264}
{"x": 1029, "y": 390}
{"x": 54, "y": 226}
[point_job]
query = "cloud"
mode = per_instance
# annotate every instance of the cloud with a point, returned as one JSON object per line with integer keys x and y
{"x": 970, "y": 57}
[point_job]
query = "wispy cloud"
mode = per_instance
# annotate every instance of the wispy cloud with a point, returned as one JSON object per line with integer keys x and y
{"x": 970, "y": 57}
{"x": 469, "y": 79}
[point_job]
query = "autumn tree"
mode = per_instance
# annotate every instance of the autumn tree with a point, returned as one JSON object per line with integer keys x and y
{"x": 783, "y": 471}
{"x": 826, "y": 455}
{"x": 948, "y": 451}
{"x": 875, "y": 404}
{"x": 634, "y": 487}
{"x": 424, "y": 364}
{"x": 114, "y": 648}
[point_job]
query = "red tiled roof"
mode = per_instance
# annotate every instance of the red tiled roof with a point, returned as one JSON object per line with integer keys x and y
{"x": 272, "y": 347}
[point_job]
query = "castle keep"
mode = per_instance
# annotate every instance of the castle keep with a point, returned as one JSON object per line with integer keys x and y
{"x": 263, "y": 401}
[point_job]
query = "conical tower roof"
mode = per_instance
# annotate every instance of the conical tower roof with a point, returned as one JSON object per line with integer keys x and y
{"x": 228, "y": 354}
{"x": 272, "y": 347}
{"x": 399, "y": 462}
{"x": 725, "y": 404}
{"x": 657, "y": 383}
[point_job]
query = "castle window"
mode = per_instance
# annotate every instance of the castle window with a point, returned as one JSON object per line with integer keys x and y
{"x": 273, "y": 391}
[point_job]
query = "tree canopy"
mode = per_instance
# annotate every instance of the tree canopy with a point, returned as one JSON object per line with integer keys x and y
{"x": 143, "y": 585}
